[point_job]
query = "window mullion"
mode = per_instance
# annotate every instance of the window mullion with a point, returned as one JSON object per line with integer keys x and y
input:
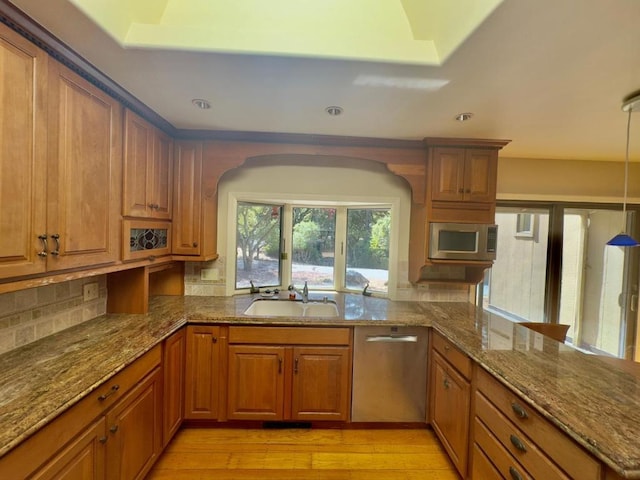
{"x": 340, "y": 248}
{"x": 286, "y": 241}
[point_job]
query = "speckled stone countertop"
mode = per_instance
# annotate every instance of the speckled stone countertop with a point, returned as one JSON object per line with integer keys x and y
{"x": 594, "y": 401}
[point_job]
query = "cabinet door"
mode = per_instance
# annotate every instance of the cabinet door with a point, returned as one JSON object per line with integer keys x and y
{"x": 85, "y": 172}
{"x": 480, "y": 172}
{"x": 138, "y": 163}
{"x": 187, "y": 218}
{"x": 448, "y": 174}
{"x": 135, "y": 430}
{"x": 162, "y": 177}
{"x": 256, "y": 383}
{"x": 23, "y": 154}
{"x": 450, "y": 402}
{"x": 173, "y": 398}
{"x": 82, "y": 459}
{"x": 321, "y": 383}
{"x": 202, "y": 372}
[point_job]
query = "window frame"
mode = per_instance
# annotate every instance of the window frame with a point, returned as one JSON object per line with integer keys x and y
{"x": 553, "y": 280}
{"x": 312, "y": 201}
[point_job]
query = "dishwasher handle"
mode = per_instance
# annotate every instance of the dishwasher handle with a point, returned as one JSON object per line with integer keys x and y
{"x": 393, "y": 338}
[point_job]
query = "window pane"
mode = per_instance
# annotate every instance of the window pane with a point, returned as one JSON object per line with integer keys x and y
{"x": 314, "y": 240}
{"x": 258, "y": 228}
{"x": 592, "y": 280}
{"x": 367, "y": 254}
{"x": 515, "y": 285}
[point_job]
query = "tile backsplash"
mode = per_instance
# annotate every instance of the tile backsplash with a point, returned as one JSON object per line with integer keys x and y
{"x": 28, "y": 315}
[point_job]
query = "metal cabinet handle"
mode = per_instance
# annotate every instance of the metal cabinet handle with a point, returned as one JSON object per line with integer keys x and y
{"x": 446, "y": 383}
{"x": 43, "y": 239}
{"x": 519, "y": 444}
{"x": 102, "y": 440}
{"x": 518, "y": 410}
{"x": 56, "y": 250}
{"x": 279, "y": 365}
{"x": 113, "y": 390}
{"x": 515, "y": 475}
{"x": 214, "y": 339}
{"x": 195, "y": 244}
{"x": 114, "y": 429}
{"x": 295, "y": 365}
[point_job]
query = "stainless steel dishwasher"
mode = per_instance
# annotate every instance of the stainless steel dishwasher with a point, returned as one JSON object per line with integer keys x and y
{"x": 389, "y": 374}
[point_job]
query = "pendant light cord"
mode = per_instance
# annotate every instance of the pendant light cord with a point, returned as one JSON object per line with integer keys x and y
{"x": 626, "y": 174}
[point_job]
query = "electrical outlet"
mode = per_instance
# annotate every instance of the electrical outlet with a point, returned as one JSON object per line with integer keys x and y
{"x": 90, "y": 291}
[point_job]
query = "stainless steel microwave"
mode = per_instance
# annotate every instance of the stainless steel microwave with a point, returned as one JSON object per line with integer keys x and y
{"x": 462, "y": 241}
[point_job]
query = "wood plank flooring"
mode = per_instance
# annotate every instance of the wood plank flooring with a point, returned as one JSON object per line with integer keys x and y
{"x": 293, "y": 454}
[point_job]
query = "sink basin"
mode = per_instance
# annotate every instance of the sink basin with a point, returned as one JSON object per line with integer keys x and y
{"x": 287, "y": 308}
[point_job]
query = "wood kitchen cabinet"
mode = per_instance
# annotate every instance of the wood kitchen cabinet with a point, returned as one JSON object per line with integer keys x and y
{"x": 195, "y": 203}
{"x": 203, "y": 370}
{"x": 82, "y": 459}
{"x": 519, "y": 442}
{"x": 23, "y": 154}
{"x": 278, "y": 373}
{"x": 84, "y": 172}
{"x": 134, "y": 427}
{"x": 463, "y": 174}
{"x": 148, "y": 170}
{"x": 450, "y": 399}
{"x": 114, "y": 432}
{"x": 173, "y": 362}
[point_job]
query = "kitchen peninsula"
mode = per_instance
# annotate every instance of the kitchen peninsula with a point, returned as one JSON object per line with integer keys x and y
{"x": 594, "y": 404}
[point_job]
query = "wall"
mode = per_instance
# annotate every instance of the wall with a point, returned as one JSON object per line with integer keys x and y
{"x": 321, "y": 178}
{"x": 28, "y": 315}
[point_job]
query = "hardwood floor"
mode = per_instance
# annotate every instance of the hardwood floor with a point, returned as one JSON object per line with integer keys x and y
{"x": 292, "y": 454}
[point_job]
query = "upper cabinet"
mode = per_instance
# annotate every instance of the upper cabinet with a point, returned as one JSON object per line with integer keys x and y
{"x": 84, "y": 174}
{"x": 464, "y": 174}
{"x": 60, "y": 165}
{"x": 195, "y": 203}
{"x": 148, "y": 170}
{"x": 23, "y": 154}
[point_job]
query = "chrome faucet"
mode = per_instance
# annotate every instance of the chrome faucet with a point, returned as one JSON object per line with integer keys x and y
{"x": 304, "y": 293}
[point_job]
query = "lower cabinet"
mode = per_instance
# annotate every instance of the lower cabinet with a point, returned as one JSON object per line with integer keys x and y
{"x": 518, "y": 442}
{"x": 83, "y": 458}
{"x": 173, "y": 361}
{"x": 280, "y": 373}
{"x": 135, "y": 430}
{"x": 114, "y": 433}
{"x": 450, "y": 399}
{"x": 203, "y": 344}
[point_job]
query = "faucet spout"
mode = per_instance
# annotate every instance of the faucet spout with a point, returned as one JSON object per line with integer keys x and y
{"x": 304, "y": 293}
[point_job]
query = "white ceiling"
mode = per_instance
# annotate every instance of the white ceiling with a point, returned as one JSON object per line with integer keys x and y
{"x": 548, "y": 74}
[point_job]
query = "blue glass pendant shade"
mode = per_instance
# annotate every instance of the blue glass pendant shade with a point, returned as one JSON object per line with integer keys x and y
{"x": 622, "y": 240}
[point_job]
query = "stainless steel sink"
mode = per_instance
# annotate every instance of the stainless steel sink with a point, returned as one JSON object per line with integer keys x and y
{"x": 288, "y": 308}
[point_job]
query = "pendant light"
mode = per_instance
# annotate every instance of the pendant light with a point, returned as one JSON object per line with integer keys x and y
{"x": 623, "y": 239}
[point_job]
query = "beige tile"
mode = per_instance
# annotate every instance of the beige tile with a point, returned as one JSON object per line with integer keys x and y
{"x": 63, "y": 291}
{"x": 7, "y": 303}
{"x": 7, "y": 341}
{"x": 44, "y": 328}
{"x": 25, "y": 335}
{"x": 26, "y": 299}
{"x": 75, "y": 288}
{"x": 46, "y": 294}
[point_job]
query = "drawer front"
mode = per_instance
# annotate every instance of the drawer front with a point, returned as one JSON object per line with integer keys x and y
{"x": 518, "y": 444}
{"x": 290, "y": 335}
{"x": 454, "y": 356}
{"x": 500, "y": 458}
{"x": 567, "y": 454}
{"x": 482, "y": 468}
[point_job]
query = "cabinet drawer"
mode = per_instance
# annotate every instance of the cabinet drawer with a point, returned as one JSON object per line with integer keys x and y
{"x": 290, "y": 335}
{"x": 567, "y": 454}
{"x": 482, "y": 467}
{"x": 501, "y": 459}
{"x": 519, "y": 445}
{"x": 452, "y": 354}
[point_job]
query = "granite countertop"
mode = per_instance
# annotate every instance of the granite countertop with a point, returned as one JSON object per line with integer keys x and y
{"x": 594, "y": 401}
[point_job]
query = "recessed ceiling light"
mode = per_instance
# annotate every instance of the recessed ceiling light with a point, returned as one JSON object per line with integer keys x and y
{"x": 463, "y": 117}
{"x": 334, "y": 110}
{"x": 201, "y": 103}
